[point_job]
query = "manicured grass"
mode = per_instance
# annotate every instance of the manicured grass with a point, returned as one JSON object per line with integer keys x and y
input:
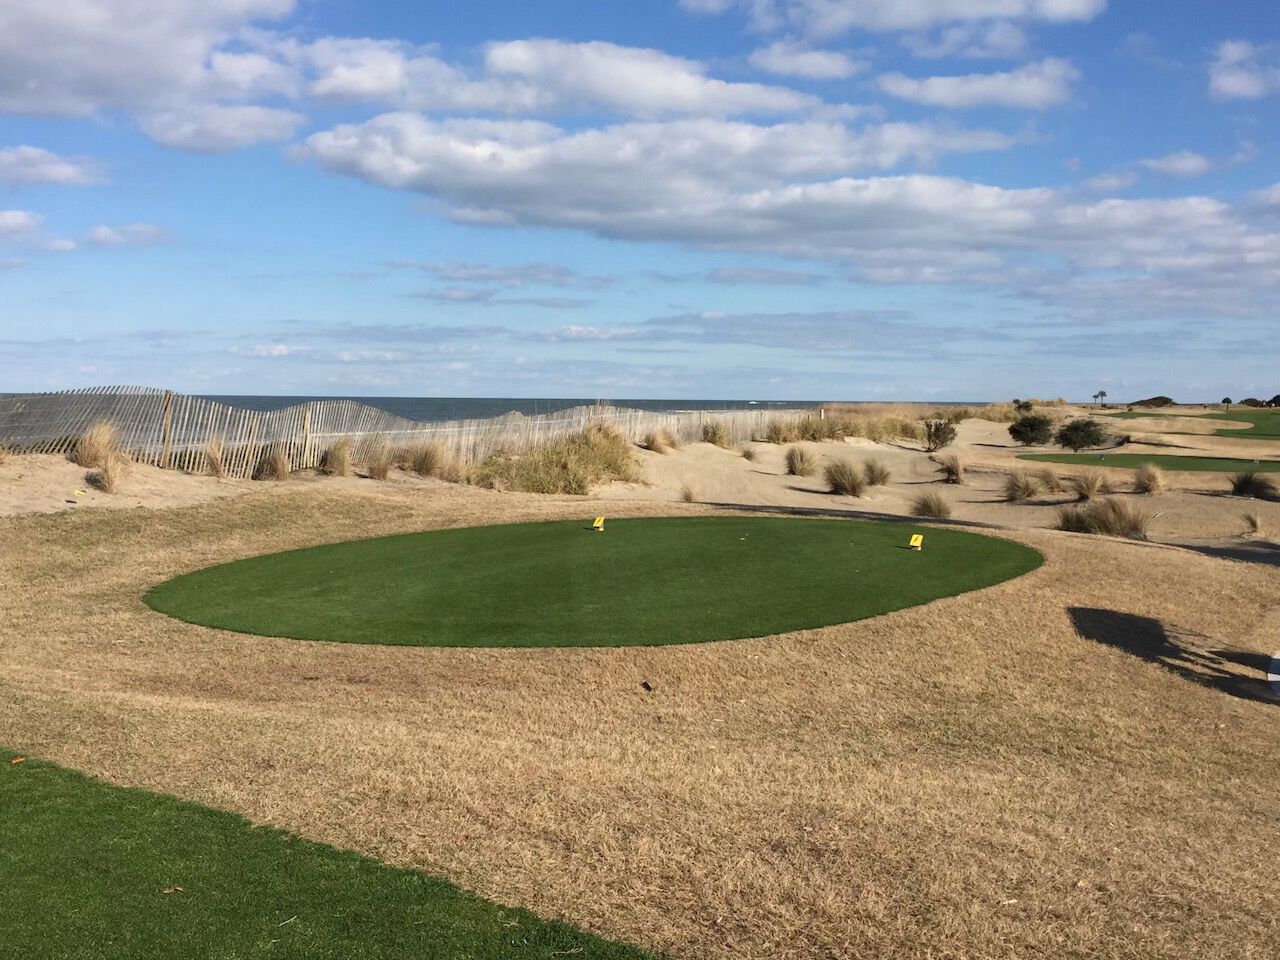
{"x": 1132, "y": 461}
{"x": 85, "y": 866}
{"x": 1265, "y": 424}
{"x": 641, "y": 582}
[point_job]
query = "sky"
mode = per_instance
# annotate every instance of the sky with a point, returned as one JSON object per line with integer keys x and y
{"x": 751, "y": 199}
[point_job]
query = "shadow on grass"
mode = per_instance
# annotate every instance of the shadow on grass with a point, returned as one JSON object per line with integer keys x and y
{"x": 838, "y": 514}
{"x": 1192, "y": 656}
{"x": 1254, "y": 551}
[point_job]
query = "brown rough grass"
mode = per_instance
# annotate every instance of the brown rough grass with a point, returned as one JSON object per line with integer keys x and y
{"x": 800, "y": 462}
{"x": 1020, "y": 485}
{"x": 844, "y": 479}
{"x": 659, "y": 441}
{"x": 1108, "y": 517}
{"x": 598, "y": 454}
{"x": 109, "y": 474}
{"x": 715, "y": 432}
{"x": 876, "y": 473}
{"x": 930, "y": 505}
{"x": 1149, "y": 479}
{"x": 1021, "y": 791}
{"x": 951, "y": 467}
{"x": 380, "y": 461}
{"x": 214, "y": 456}
{"x": 96, "y": 446}
{"x": 336, "y": 461}
{"x": 274, "y": 464}
{"x": 1089, "y": 484}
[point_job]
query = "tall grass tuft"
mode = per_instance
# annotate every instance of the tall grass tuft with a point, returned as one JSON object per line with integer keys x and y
{"x": 659, "y": 441}
{"x": 1049, "y": 481}
{"x": 876, "y": 473}
{"x": 214, "y": 453}
{"x": 748, "y": 454}
{"x": 1149, "y": 479}
{"x": 380, "y": 461}
{"x": 336, "y": 461}
{"x": 800, "y": 462}
{"x": 109, "y": 473}
{"x": 1253, "y": 485}
{"x": 844, "y": 479}
{"x": 1088, "y": 485}
{"x": 573, "y": 465}
{"x": 426, "y": 460}
{"x": 274, "y": 464}
{"x": 1020, "y": 486}
{"x": 97, "y": 445}
{"x": 715, "y": 432}
{"x": 930, "y": 505}
{"x": 1252, "y": 525}
{"x": 4, "y": 453}
{"x": 780, "y": 431}
{"x": 687, "y": 494}
{"x": 952, "y": 468}
{"x": 1106, "y": 517}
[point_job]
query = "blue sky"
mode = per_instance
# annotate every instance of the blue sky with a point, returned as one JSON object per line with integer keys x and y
{"x": 774, "y": 199}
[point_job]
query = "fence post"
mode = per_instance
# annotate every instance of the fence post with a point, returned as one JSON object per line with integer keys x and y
{"x": 306, "y": 436}
{"x": 166, "y": 430}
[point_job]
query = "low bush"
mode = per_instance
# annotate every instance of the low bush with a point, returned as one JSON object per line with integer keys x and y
{"x": 876, "y": 473}
{"x": 1034, "y": 429}
{"x": 844, "y": 479}
{"x": 1078, "y": 434}
{"x": 336, "y": 461}
{"x": 930, "y": 505}
{"x": 1019, "y": 486}
{"x": 1108, "y": 517}
{"x": 938, "y": 434}
{"x": 1149, "y": 479}
{"x": 1254, "y": 485}
{"x": 952, "y": 468}
{"x": 800, "y": 462}
{"x": 715, "y": 432}
{"x": 1088, "y": 485}
{"x": 97, "y": 445}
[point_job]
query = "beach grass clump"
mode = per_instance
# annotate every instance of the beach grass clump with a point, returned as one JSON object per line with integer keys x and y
{"x": 1149, "y": 479}
{"x": 715, "y": 432}
{"x": 1020, "y": 486}
{"x": 748, "y": 454}
{"x": 109, "y": 473}
{"x": 800, "y": 462}
{"x": 4, "y": 453}
{"x": 1106, "y": 517}
{"x": 380, "y": 460}
{"x": 951, "y": 467}
{"x": 659, "y": 441}
{"x": 336, "y": 461}
{"x": 930, "y": 505}
{"x": 97, "y": 445}
{"x": 780, "y": 431}
{"x": 1088, "y": 485}
{"x": 1253, "y": 485}
{"x": 1252, "y": 524}
{"x": 844, "y": 479}
{"x": 938, "y": 434}
{"x": 214, "y": 456}
{"x": 876, "y": 473}
{"x": 687, "y": 494}
{"x": 1050, "y": 482}
{"x": 426, "y": 459}
{"x": 274, "y": 464}
{"x": 598, "y": 454}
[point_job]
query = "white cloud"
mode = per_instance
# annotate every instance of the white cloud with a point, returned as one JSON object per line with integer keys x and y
{"x": 1111, "y": 181}
{"x": 790, "y": 59}
{"x": 1241, "y": 70}
{"x": 1036, "y": 86}
{"x": 29, "y": 165}
{"x": 16, "y": 222}
{"x": 996, "y": 39}
{"x": 1184, "y": 163}
{"x": 213, "y": 128}
{"x": 1268, "y": 198}
{"x": 764, "y": 275}
{"x": 129, "y": 235}
{"x": 831, "y": 17}
{"x": 11, "y": 263}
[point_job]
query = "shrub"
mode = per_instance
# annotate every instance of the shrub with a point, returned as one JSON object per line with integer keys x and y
{"x": 938, "y": 434}
{"x": 715, "y": 432}
{"x": 336, "y": 461}
{"x": 1078, "y": 434}
{"x": 1149, "y": 479}
{"x": 426, "y": 460}
{"x": 1020, "y": 486}
{"x": 1023, "y": 407}
{"x": 1253, "y": 485}
{"x": 1049, "y": 481}
{"x": 800, "y": 462}
{"x": 659, "y": 441}
{"x": 1108, "y": 517}
{"x": 952, "y": 468}
{"x": 844, "y": 479}
{"x": 687, "y": 494}
{"x": 97, "y": 445}
{"x": 214, "y": 457}
{"x": 573, "y": 465}
{"x": 109, "y": 473}
{"x": 930, "y": 505}
{"x": 1088, "y": 485}
{"x": 1035, "y": 429}
{"x": 748, "y": 454}
{"x": 274, "y": 464}
{"x": 380, "y": 461}
{"x": 877, "y": 473}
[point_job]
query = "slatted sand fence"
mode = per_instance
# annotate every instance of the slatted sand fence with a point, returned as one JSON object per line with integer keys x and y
{"x": 172, "y": 430}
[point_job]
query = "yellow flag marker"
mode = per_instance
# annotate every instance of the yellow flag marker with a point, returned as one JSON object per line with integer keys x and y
{"x": 81, "y": 493}
{"x": 917, "y": 541}
{"x": 598, "y": 526}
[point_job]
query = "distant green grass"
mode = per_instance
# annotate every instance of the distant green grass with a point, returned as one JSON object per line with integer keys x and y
{"x": 84, "y": 867}
{"x": 1265, "y": 424}
{"x": 1134, "y": 460}
{"x": 641, "y": 582}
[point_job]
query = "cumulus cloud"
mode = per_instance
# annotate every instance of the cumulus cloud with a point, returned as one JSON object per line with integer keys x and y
{"x": 788, "y": 58}
{"x": 1241, "y": 70}
{"x": 996, "y": 39}
{"x": 129, "y": 235}
{"x": 24, "y": 165}
{"x": 1184, "y": 163}
{"x": 832, "y": 17}
{"x": 16, "y": 222}
{"x": 1036, "y": 86}
{"x": 212, "y": 128}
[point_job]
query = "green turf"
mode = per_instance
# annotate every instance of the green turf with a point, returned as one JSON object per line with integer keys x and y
{"x": 1132, "y": 461}
{"x": 1264, "y": 424}
{"x": 84, "y": 866}
{"x": 641, "y": 582}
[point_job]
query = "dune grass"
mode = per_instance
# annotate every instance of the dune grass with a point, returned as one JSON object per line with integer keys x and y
{"x": 336, "y": 461}
{"x": 876, "y": 473}
{"x": 930, "y": 505}
{"x": 1150, "y": 479}
{"x": 1132, "y": 461}
{"x": 214, "y": 454}
{"x": 109, "y": 474}
{"x": 96, "y": 445}
{"x": 844, "y": 479}
{"x": 598, "y": 454}
{"x": 274, "y": 464}
{"x": 94, "y": 870}
{"x": 560, "y": 584}
{"x": 1253, "y": 485}
{"x": 1108, "y": 517}
{"x": 800, "y": 462}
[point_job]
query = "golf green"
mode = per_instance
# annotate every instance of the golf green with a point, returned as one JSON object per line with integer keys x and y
{"x": 640, "y": 582}
{"x": 1131, "y": 461}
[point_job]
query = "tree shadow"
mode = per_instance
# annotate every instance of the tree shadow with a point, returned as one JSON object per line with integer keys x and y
{"x": 1192, "y": 656}
{"x": 1253, "y": 551}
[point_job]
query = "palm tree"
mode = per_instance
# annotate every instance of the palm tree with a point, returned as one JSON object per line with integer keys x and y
{"x": 1099, "y": 396}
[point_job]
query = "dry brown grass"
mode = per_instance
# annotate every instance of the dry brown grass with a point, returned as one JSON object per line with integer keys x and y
{"x": 1020, "y": 485}
{"x": 380, "y": 461}
{"x": 1149, "y": 479}
{"x": 1108, "y": 517}
{"x": 1089, "y": 484}
{"x": 1252, "y": 525}
{"x": 715, "y": 432}
{"x": 688, "y": 495}
{"x": 336, "y": 461}
{"x": 659, "y": 441}
{"x": 274, "y": 464}
{"x": 598, "y": 454}
{"x": 96, "y": 446}
{"x": 213, "y": 454}
{"x": 109, "y": 474}
{"x": 748, "y": 454}
{"x": 930, "y": 505}
{"x": 951, "y": 467}
{"x": 1049, "y": 481}
{"x": 1255, "y": 485}
{"x": 800, "y": 462}
{"x": 5, "y": 453}
{"x": 844, "y": 479}
{"x": 876, "y": 473}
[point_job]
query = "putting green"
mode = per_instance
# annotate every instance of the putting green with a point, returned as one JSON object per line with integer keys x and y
{"x": 641, "y": 582}
{"x": 1131, "y": 461}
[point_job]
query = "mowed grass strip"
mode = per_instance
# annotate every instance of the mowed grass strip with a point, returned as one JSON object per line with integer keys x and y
{"x": 1132, "y": 461}
{"x": 1263, "y": 424}
{"x": 92, "y": 870}
{"x": 640, "y": 582}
